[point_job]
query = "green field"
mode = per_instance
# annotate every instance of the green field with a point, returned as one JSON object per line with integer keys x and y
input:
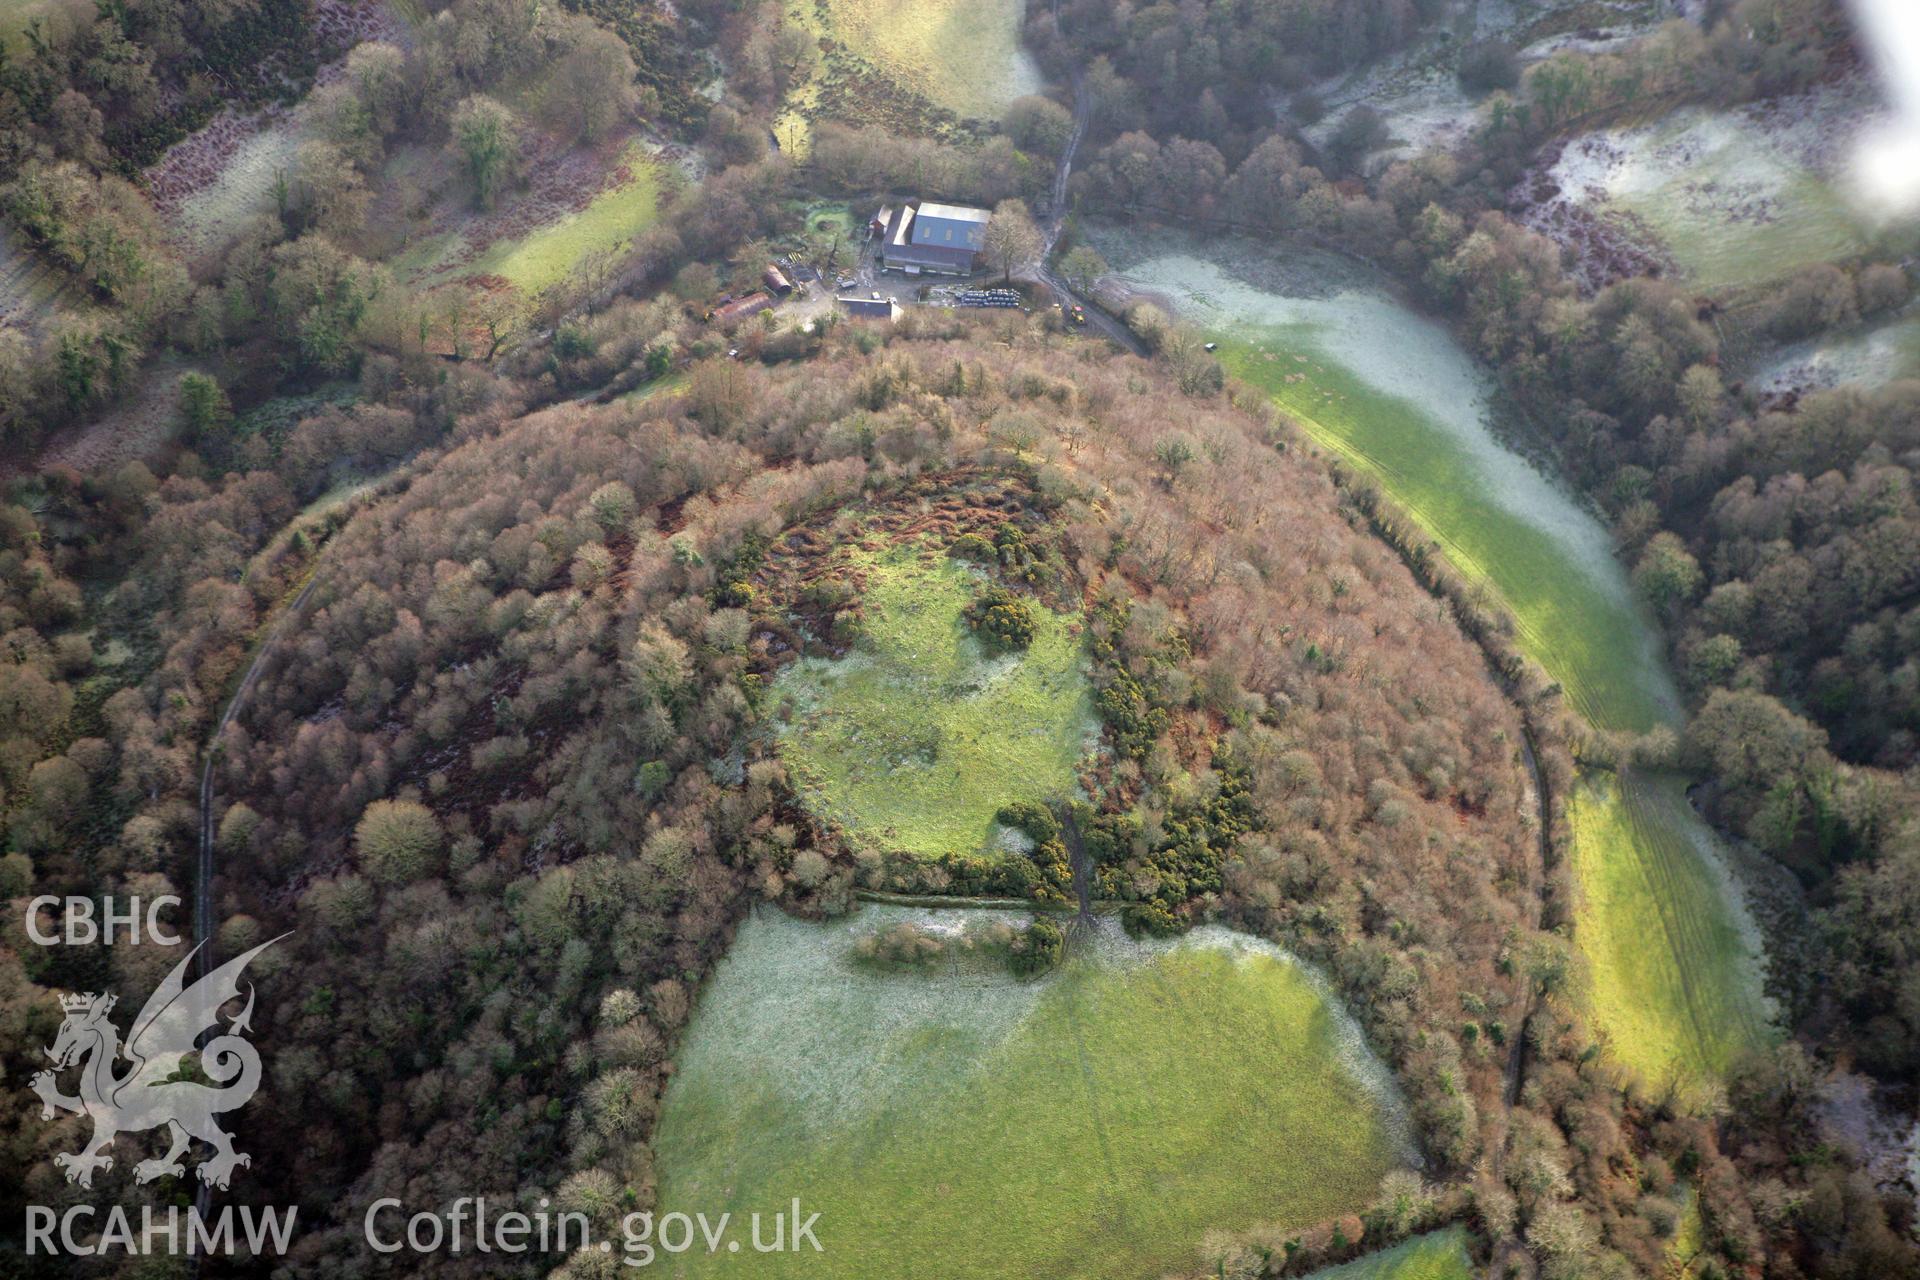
{"x": 1687, "y": 1010}
{"x": 1675, "y": 986}
{"x": 553, "y": 251}
{"x": 1092, "y": 1123}
{"x": 1438, "y": 1255}
{"x": 1584, "y": 627}
{"x": 915, "y": 738}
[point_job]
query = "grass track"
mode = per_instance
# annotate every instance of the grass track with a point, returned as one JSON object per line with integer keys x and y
{"x": 916, "y": 738}
{"x": 1438, "y": 1255}
{"x": 1674, "y": 978}
{"x": 1094, "y": 1123}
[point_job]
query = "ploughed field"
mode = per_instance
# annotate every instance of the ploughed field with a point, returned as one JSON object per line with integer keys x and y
{"x": 918, "y": 735}
{"x": 1673, "y": 957}
{"x": 1094, "y": 1122}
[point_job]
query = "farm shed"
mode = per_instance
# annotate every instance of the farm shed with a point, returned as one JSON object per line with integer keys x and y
{"x": 871, "y": 308}
{"x": 776, "y": 280}
{"x": 739, "y": 309}
{"x": 942, "y": 239}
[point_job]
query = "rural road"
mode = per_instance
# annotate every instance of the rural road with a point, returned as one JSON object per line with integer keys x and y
{"x": 1057, "y": 220}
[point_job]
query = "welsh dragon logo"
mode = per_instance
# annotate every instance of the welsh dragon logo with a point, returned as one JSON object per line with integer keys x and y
{"x": 154, "y": 1091}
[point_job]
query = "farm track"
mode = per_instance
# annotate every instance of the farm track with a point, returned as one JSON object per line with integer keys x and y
{"x": 203, "y": 879}
{"x": 203, "y": 935}
{"x": 203, "y": 887}
{"x": 1082, "y": 868}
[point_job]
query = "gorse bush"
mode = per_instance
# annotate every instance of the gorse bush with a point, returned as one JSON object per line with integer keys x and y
{"x": 1034, "y": 820}
{"x": 1002, "y": 620}
{"x": 1039, "y": 948}
{"x": 910, "y": 946}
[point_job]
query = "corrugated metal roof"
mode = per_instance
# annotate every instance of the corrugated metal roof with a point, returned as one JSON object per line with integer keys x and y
{"x": 740, "y": 307}
{"x": 950, "y": 226}
{"x": 885, "y": 308}
{"x": 953, "y": 212}
{"x": 902, "y": 225}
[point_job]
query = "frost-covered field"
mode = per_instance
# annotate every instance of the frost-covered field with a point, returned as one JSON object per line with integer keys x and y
{"x": 1870, "y": 357}
{"x": 1418, "y": 91}
{"x": 962, "y": 1123}
{"x": 1395, "y": 395}
{"x": 1722, "y": 198}
{"x": 1393, "y": 390}
{"x": 206, "y": 186}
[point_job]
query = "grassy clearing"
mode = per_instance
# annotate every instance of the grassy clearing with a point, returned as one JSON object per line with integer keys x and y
{"x": 1675, "y": 978}
{"x": 1093, "y": 1123}
{"x": 607, "y": 224}
{"x": 793, "y": 127}
{"x": 1438, "y": 1255}
{"x": 274, "y": 418}
{"x": 964, "y": 54}
{"x": 917, "y": 737}
{"x": 554, "y": 250}
{"x": 1673, "y": 984}
{"x": 1689, "y": 1238}
{"x": 206, "y": 220}
{"x": 1875, "y": 354}
{"x": 1735, "y": 197}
